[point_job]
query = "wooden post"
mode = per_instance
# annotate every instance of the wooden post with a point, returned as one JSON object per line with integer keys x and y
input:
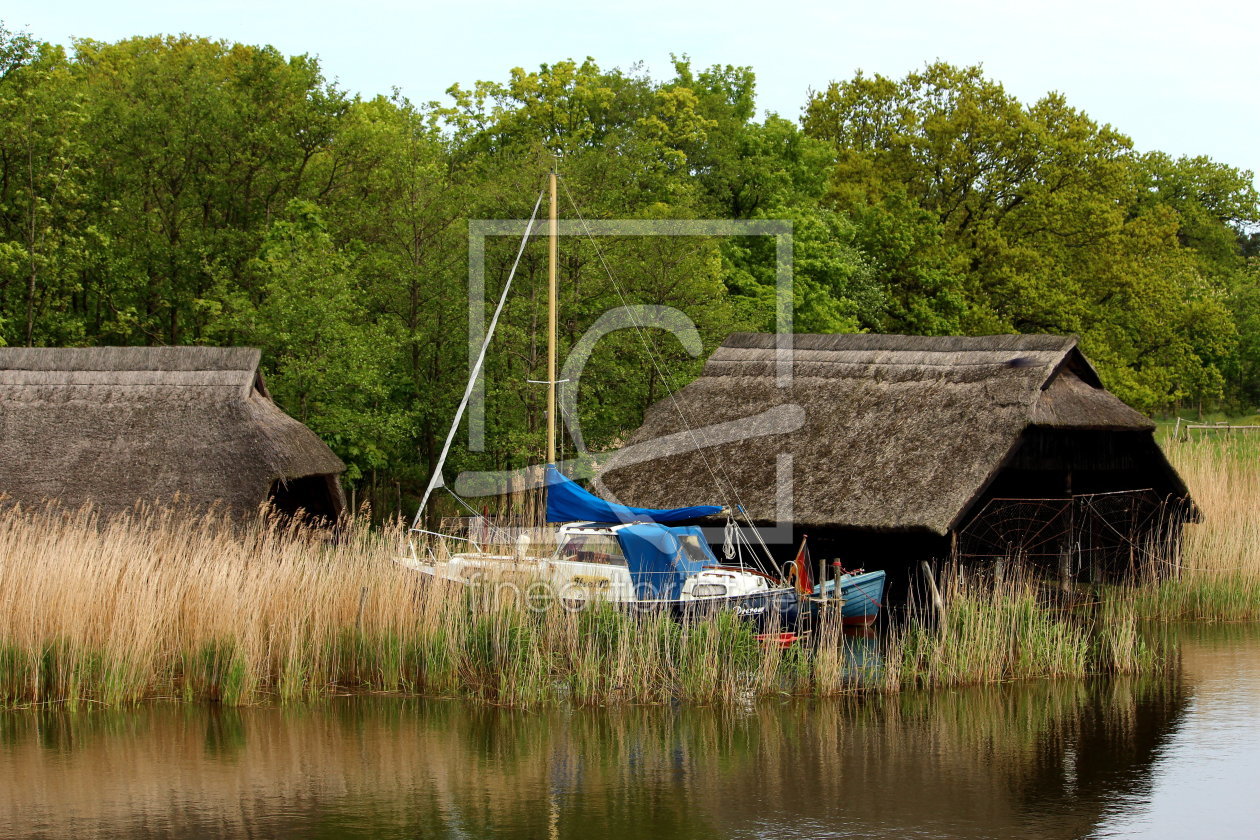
{"x": 1065, "y": 557}
{"x": 937, "y": 601}
{"x": 551, "y": 323}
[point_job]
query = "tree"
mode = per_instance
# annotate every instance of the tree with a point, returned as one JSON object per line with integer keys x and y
{"x": 1031, "y": 218}
{"x": 623, "y": 142}
{"x": 43, "y": 235}
{"x": 398, "y": 203}
{"x": 198, "y": 145}
{"x": 327, "y": 361}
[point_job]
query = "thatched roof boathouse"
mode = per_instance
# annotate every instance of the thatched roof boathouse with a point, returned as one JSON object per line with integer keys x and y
{"x": 912, "y": 447}
{"x": 116, "y": 425}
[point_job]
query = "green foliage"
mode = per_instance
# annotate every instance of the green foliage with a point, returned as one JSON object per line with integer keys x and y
{"x": 1243, "y": 368}
{"x": 45, "y": 235}
{"x": 176, "y": 190}
{"x": 328, "y": 361}
{"x": 197, "y": 146}
{"x": 996, "y": 216}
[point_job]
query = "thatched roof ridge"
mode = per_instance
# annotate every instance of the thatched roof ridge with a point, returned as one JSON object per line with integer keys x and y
{"x": 116, "y": 424}
{"x": 927, "y": 344}
{"x": 1068, "y": 402}
{"x": 898, "y": 357}
{"x": 131, "y": 359}
{"x": 899, "y": 432}
{"x": 126, "y": 367}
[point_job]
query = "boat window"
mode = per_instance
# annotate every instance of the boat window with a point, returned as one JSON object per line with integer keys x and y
{"x": 592, "y": 548}
{"x": 708, "y": 590}
{"x": 697, "y": 551}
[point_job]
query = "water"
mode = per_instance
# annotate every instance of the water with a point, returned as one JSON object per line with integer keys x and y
{"x": 1173, "y": 757}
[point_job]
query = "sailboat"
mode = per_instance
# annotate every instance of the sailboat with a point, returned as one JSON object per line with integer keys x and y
{"x": 602, "y": 550}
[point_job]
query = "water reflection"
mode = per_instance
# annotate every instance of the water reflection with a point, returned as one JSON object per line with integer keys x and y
{"x": 1207, "y": 771}
{"x": 1050, "y": 760}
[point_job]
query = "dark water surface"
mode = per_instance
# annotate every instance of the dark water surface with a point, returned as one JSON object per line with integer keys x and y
{"x": 1176, "y": 757}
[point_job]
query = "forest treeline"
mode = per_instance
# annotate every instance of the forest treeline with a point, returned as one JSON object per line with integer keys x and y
{"x": 179, "y": 190}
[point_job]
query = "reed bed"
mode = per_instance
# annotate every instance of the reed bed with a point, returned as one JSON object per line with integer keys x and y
{"x": 1218, "y": 576}
{"x": 997, "y": 629}
{"x": 160, "y": 604}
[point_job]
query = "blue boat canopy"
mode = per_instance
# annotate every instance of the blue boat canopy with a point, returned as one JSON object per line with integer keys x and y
{"x": 661, "y": 559}
{"x": 568, "y": 502}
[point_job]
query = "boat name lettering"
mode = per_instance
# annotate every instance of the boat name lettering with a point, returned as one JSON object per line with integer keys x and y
{"x": 592, "y": 581}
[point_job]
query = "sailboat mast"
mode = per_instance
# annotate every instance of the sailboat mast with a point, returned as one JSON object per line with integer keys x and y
{"x": 551, "y": 324}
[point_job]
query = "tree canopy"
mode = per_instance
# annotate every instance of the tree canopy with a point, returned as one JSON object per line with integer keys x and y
{"x": 176, "y": 190}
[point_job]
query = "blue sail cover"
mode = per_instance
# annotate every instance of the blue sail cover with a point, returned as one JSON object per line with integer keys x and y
{"x": 568, "y": 502}
{"x": 658, "y": 563}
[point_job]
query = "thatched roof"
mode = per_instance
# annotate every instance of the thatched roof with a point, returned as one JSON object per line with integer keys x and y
{"x": 113, "y": 425}
{"x": 880, "y": 432}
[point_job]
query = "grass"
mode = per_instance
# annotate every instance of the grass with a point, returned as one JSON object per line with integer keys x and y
{"x": 1218, "y": 578}
{"x": 1016, "y": 628}
{"x": 159, "y": 605}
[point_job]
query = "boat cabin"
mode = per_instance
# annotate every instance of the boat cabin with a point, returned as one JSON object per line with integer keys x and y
{"x": 660, "y": 560}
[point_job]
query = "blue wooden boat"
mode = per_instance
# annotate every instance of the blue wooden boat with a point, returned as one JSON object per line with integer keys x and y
{"x": 863, "y": 594}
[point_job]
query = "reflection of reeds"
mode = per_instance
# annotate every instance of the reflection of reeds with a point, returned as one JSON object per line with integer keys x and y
{"x": 996, "y": 756}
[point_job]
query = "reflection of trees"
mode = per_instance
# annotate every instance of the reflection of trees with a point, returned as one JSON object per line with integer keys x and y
{"x": 1034, "y": 760}
{"x": 1019, "y": 760}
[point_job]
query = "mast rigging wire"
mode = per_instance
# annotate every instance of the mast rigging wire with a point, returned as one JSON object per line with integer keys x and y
{"x": 435, "y": 480}
{"x": 652, "y": 356}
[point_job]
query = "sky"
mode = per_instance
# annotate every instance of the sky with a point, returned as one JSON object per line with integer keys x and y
{"x": 1176, "y": 77}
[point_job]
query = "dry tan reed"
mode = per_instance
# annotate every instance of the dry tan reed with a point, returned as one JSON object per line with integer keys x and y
{"x": 1224, "y": 479}
{"x": 161, "y": 604}
{"x": 1218, "y": 578}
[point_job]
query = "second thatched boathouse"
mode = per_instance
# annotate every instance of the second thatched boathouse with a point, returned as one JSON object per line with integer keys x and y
{"x": 112, "y": 426}
{"x": 888, "y": 450}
